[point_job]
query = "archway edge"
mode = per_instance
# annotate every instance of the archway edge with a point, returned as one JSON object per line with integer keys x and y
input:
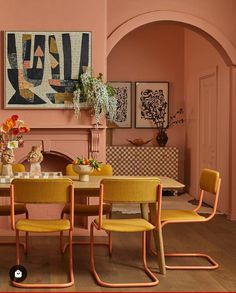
{"x": 164, "y": 15}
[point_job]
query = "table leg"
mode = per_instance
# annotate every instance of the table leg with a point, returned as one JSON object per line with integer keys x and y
{"x": 158, "y": 239}
{"x": 149, "y": 212}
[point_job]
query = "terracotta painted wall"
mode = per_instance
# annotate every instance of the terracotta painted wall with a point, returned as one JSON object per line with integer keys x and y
{"x": 201, "y": 57}
{"x": 154, "y": 52}
{"x": 57, "y": 15}
{"x": 220, "y": 13}
{"x": 217, "y": 17}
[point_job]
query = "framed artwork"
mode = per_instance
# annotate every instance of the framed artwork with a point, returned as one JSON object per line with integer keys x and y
{"x": 41, "y": 68}
{"x": 152, "y": 103}
{"x": 123, "y": 91}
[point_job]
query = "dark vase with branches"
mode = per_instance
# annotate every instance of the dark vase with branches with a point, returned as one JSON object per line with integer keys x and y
{"x": 162, "y": 136}
{"x": 158, "y": 114}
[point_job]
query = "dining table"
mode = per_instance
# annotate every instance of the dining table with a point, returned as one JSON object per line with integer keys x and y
{"x": 94, "y": 184}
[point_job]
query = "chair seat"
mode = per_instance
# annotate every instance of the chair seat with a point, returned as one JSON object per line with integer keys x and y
{"x": 41, "y": 226}
{"x": 87, "y": 210}
{"x": 180, "y": 215}
{"x": 125, "y": 225}
{"x": 5, "y": 210}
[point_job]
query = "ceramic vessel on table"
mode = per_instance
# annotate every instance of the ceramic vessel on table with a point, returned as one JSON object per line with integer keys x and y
{"x": 83, "y": 171}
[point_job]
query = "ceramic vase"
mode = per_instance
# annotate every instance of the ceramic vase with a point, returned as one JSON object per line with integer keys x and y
{"x": 83, "y": 171}
{"x": 7, "y": 159}
{"x": 162, "y": 138}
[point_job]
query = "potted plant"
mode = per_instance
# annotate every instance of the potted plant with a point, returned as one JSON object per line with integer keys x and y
{"x": 99, "y": 96}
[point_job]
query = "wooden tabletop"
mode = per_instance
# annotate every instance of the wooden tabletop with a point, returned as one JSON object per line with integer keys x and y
{"x": 94, "y": 182}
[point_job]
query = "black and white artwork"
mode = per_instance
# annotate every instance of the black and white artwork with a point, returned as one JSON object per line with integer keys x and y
{"x": 151, "y": 104}
{"x": 42, "y": 68}
{"x": 123, "y": 95}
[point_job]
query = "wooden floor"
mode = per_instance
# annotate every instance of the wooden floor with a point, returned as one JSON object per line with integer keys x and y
{"x": 218, "y": 238}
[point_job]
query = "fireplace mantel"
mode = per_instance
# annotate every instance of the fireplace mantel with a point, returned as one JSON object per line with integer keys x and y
{"x": 68, "y": 141}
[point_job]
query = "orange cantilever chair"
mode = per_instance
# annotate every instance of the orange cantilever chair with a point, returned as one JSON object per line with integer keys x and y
{"x": 210, "y": 183}
{"x": 135, "y": 190}
{"x": 87, "y": 210}
{"x": 5, "y": 210}
{"x": 43, "y": 191}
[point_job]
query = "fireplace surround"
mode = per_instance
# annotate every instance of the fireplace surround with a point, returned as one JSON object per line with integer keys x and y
{"x": 60, "y": 146}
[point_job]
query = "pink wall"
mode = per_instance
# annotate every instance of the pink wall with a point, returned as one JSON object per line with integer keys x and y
{"x": 222, "y": 18}
{"x": 219, "y": 24}
{"x": 57, "y": 15}
{"x": 78, "y": 15}
{"x": 200, "y": 58}
{"x": 154, "y": 52}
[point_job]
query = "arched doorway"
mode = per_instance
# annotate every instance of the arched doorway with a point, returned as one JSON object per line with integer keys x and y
{"x": 223, "y": 47}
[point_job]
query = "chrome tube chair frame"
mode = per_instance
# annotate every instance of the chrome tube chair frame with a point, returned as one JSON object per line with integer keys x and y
{"x": 127, "y": 191}
{"x": 209, "y": 182}
{"x": 5, "y": 210}
{"x": 87, "y": 210}
{"x": 49, "y": 191}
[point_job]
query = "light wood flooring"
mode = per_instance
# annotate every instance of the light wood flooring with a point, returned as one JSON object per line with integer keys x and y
{"x": 217, "y": 237}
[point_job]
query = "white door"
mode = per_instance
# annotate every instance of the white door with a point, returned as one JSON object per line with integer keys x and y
{"x": 208, "y": 124}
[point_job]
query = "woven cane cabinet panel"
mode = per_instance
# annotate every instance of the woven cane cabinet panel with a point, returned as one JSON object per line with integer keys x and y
{"x": 143, "y": 161}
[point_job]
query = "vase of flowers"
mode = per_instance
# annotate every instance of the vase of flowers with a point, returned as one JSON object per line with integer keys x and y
{"x": 11, "y": 137}
{"x": 158, "y": 114}
{"x": 162, "y": 125}
{"x": 84, "y": 167}
{"x": 98, "y": 96}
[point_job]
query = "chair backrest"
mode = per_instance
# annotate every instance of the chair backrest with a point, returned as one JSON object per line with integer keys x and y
{"x": 133, "y": 190}
{"x": 42, "y": 190}
{"x": 210, "y": 182}
{"x": 15, "y": 168}
{"x": 106, "y": 170}
{"x": 70, "y": 171}
{"x": 18, "y": 168}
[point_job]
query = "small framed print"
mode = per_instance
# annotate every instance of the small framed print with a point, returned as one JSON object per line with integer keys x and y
{"x": 123, "y": 91}
{"x": 152, "y": 101}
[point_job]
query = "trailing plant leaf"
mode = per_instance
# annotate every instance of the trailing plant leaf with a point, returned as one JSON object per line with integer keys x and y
{"x": 100, "y": 97}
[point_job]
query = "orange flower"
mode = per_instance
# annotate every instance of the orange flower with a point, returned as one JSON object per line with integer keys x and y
{"x": 74, "y": 162}
{"x": 23, "y": 129}
{"x": 10, "y": 123}
{"x": 5, "y": 128}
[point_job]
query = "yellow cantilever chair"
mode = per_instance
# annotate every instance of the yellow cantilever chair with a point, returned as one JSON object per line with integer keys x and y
{"x": 135, "y": 190}
{"x": 209, "y": 182}
{"x": 5, "y": 210}
{"x": 43, "y": 191}
{"x": 86, "y": 210}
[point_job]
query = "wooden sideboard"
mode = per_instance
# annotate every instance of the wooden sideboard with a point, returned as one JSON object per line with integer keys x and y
{"x": 143, "y": 161}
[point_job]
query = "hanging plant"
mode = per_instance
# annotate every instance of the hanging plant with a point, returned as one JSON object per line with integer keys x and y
{"x": 99, "y": 96}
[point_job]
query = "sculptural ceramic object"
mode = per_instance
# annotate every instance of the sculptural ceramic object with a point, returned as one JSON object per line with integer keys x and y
{"x": 139, "y": 141}
{"x": 35, "y": 157}
{"x": 7, "y": 159}
{"x": 83, "y": 171}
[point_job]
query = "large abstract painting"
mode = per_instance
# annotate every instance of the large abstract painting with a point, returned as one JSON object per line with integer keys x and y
{"x": 123, "y": 91}
{"x": 41, "y": 68}
{"x": 152, "y": 104}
